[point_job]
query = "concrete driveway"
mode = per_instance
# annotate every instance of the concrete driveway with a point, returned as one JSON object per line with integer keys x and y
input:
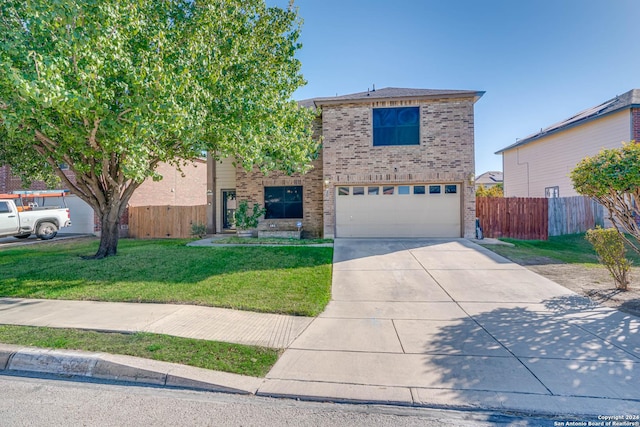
{"x": 449, "y": 323}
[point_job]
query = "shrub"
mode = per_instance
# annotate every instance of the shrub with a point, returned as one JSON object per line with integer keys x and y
{"x": 493, "y": 191}
{"x": 198, "y": 230}
{"x": 246, "y": 219}
{"x": 609, "y": 245}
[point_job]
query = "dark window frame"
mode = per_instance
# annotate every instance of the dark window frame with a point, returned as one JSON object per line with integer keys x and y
{"x": 395, "y": 127}
{"x": 283, "y": 209}
{"x": 435, "y": 189}
{"x": 552, "y": 192}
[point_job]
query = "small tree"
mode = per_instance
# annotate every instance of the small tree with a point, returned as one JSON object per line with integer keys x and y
{"x": 493, "y": 191}
{"x": 612, "y": 178}
{"x": 609, "y": 245}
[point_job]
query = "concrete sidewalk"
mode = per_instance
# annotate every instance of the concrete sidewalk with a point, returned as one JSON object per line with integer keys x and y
{"x": 450, "y": 324}
{"x": 190, "y": 321}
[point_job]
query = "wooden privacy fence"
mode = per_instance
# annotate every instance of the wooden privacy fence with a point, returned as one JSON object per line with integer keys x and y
{"x": 570, "y": 215}
{"x": 516, "y": 217}
{"x": 530, "y": 218}
{"x": 165, "y": 221}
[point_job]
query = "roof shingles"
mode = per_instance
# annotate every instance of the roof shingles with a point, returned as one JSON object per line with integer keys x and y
{"x": 628, "y": 99}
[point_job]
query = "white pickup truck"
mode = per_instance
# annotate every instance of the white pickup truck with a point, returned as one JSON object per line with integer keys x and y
{"x": 21, "y": 216}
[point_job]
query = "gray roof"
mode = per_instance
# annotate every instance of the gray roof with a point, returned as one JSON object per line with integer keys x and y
{"x": 490, "y": 178}
{"x": 391, "y": 92}
{"x": 630, "y": 99}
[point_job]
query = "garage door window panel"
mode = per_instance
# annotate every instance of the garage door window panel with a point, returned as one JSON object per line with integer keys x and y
{"x": 435, "y": 189}
{"x": 418, "y": 189}
{"x": 283, "y": 202}
{"x": 450, "y": 189}
{"x": 373, "y": 191}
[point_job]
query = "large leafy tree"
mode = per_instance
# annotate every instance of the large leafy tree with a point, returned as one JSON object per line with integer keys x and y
{"x": 111, "y": 88}
{"x": 612, "y": 177}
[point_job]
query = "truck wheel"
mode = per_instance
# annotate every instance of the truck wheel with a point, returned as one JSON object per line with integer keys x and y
{"x": 22, "y": 236}
{"x": 47, "y": 230}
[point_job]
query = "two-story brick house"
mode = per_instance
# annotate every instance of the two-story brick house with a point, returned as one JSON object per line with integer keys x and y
{"x": 395, "y": 162}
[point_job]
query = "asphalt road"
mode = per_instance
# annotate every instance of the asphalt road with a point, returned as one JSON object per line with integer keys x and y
{"x": 55, "y": 402}
{"x": 7, "y": 242}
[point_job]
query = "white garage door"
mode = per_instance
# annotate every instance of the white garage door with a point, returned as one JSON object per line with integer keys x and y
{"x": 429, "y": 210}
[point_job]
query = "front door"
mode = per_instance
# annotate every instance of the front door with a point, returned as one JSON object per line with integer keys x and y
{"x": 228, "y": 209}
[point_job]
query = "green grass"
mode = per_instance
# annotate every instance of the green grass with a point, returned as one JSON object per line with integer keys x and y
{"x": 234, "y": 240}
{"x": 289, "y": 280}
{"x": 234, "y": 358}
{"x": 571, "y": 249}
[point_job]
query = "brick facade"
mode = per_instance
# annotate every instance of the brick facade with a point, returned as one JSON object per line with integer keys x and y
{"x": 250, "y": 187}
{"x": 445, "y": 153}
{"x": 10, "y": 182}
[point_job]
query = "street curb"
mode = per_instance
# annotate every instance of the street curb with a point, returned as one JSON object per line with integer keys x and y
{"x": 104, "y": 366}
{"x": 127, "y": 369}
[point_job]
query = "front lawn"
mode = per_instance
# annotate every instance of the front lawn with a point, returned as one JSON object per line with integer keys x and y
{"x": 570, "y": 249}
{"x": 234, "y": 358}
{"x": 571, "y": 261}
{"x": 289, "y": 280}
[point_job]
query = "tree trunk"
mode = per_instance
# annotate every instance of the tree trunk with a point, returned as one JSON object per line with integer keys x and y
{"x": 109, "y": 233}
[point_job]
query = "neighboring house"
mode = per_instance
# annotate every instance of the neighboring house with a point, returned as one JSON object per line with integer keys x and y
{"x": 185, "y": 187}
{"x": 489, "y": 179}
{"x": 539, "y": 165}
{"x": 173, "y": 189}
{"x": 394, "y": 163}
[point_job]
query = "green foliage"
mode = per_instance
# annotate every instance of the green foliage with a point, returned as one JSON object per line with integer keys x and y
{"x": 493, "y": 191}
{"x": 219, "y": 356}
{"x": 198, "y": 230}
{"x": 612, "y": 178}
{"x": 114, "y": 87}
{"x": 609, "y": 245}
{"x": 246, "y": 220}
{"x": 287, "y": 280}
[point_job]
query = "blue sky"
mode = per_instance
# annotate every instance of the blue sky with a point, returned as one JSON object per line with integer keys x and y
{"x": 539, "y": 61}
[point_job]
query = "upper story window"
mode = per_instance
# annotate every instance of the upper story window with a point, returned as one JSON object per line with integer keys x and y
{"x": 396, "y": 126}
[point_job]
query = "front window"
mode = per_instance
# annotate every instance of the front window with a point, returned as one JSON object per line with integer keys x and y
{"x": 283, "y": 202}
{"x": 396, "y": 126}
